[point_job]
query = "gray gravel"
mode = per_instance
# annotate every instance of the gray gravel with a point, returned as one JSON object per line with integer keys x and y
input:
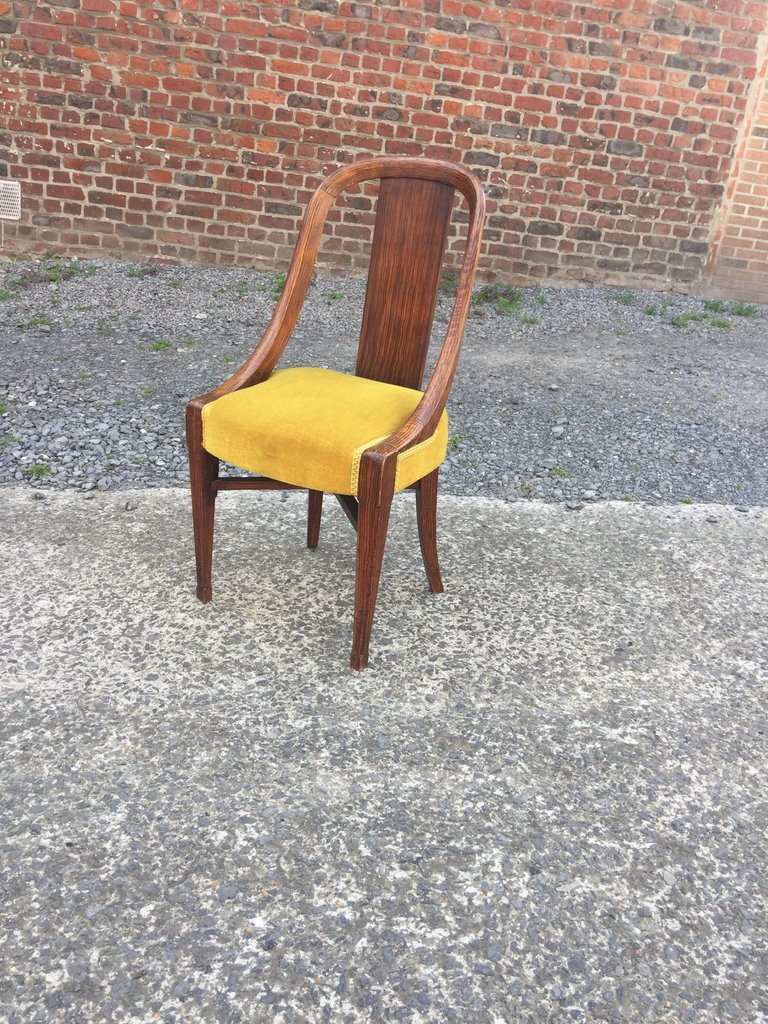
{"x": 599, "y": 399}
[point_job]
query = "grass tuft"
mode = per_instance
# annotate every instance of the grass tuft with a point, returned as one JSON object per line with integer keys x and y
{"x": 684, "y": 319}
{"x": 145, "y": 270}
{"x": 743, "y": 309}
{"x": 504, "y": 298}
{"x": 449, "y": 282}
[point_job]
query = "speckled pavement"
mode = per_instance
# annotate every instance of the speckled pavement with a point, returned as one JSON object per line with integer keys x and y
{"x": 544, "y": 800}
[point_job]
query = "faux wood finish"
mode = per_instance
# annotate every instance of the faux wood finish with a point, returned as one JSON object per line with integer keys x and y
{"x": 426, "y": 517}
{"x": 393, "y": 344}
{"x": 314, "y": 514}
{"x": 412, "y": 217}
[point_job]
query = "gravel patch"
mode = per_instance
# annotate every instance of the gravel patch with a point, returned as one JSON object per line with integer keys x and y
{"x": 574, "y": 395}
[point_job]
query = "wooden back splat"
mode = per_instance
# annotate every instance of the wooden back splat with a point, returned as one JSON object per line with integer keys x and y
{"x": 412, "y": 218}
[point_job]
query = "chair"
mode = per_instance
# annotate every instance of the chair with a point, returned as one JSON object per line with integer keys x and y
{"x": 362, "y": 437}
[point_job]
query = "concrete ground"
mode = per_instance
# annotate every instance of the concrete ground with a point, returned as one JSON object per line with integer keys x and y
{"x": 543, "y": 801}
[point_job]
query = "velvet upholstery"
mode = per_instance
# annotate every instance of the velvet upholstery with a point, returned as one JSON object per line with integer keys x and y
{"x": 310, "y": 427}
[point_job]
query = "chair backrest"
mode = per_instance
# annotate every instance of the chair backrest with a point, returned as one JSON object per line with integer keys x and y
{"x": 413, "y": 213}
{"x": 412, "y": 217}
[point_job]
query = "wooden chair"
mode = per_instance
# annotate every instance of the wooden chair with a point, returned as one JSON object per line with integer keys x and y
{"x": 362, "y": 437}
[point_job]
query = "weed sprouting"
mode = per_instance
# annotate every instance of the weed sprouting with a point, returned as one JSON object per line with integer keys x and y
{"x": 54, "y": 270}
{"x": 277, "y": 286}
{"x": 504, "y": 298}
{"x": 145, "y": 270}
{"x": 39, "y": 320}
{"x": 456, "y": 440}
{"x": 684, "y": 319}
{"x": 742, "y": 309}
{"x": 449, "y": 282}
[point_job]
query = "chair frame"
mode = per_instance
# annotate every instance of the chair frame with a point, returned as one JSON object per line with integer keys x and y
{"x": 369, "y": 513}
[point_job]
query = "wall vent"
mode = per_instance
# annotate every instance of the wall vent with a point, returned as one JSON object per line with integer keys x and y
{"x": 10, "y": 203}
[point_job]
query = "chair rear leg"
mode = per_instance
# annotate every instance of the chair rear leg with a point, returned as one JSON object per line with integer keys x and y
{"x": 372, "y": 523}
{"x": 313, "y": 519}
{"x": 203, "y": 470}
{"x": 426, "y": 516}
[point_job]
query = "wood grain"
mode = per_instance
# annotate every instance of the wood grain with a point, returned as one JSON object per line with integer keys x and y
{"x": 314, "y": 513}
{"x": 412, "y": 218}
{"x": 426, "y": 518}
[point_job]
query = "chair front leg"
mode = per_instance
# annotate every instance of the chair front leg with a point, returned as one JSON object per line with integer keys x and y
{"x": 375, "y": 491}
{"x": 203, "y": 470}
{"x": 426, "y": 517}
{"x": 313, "y": 518}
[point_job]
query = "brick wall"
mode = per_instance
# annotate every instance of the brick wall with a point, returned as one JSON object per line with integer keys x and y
{"x": 605, "y": 131}
{"x": 738, "y": 263}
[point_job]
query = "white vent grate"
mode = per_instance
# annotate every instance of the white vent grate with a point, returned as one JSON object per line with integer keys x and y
{"x": 10, "y": 200}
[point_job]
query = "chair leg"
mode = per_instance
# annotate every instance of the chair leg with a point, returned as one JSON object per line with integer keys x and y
{"x": 426, "y": 516}
{"x": 203, "y": 470}
{"x": 313, "y": 519}
{"x": 372, "y": 523}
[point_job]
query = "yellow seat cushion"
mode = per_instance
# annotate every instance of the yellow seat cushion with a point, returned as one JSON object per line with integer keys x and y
{"x": 310, "y": 427}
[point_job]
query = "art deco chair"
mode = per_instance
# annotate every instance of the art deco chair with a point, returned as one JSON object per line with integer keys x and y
{"x": 362, "y": 437}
